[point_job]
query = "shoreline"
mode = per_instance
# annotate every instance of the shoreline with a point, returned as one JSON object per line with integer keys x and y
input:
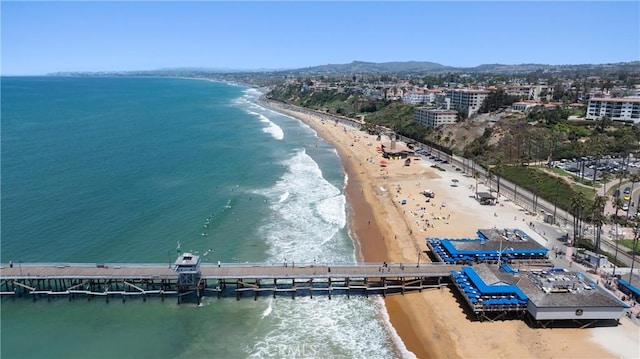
{"x": 433, "y": 324}
{"x": 369, "y": 238}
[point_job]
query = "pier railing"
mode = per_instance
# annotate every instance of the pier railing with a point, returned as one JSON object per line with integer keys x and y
{"x": 128, "y": 279}
{"x": 223, "y": 270}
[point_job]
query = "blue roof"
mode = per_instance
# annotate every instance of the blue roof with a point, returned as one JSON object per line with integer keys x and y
{"x": 448, "y": 245}
{"x": 633, "y": 289}
{"x": 491, "y": 289}
{"x": 505, "y": 267}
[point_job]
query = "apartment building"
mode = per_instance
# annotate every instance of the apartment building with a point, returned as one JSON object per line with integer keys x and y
{"x": 530, "y": 92}
{"x": 467, "y": 101}
{"x": 418, "y": 96}
{"x": 415, "y": 97}
{"x": 618, "y": 109}
{"x": 431, "y": 117}
{"x": 524, "y": 106}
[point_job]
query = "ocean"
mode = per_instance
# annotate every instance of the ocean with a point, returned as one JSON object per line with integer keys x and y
{"x": 125, "y": 170}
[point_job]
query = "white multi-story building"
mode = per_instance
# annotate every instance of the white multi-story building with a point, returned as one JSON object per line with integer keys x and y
{"x": 418, "y": 96}
{"x": 530, "y": 92}
{"x": 467, "y": 101}
{"x": 523, "y": 106}
{"x": 415, "y": 97}
{"x": 617, "y": 109}
{"x": 433, "y": 118}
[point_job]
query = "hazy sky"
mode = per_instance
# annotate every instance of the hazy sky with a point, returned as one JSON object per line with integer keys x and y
{"x": 41, "y": 37}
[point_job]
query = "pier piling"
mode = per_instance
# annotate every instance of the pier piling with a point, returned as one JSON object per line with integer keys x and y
{"x": 71, "y": 280}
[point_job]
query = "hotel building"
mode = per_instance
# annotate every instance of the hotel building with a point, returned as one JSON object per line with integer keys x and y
{"x": 467, "y": 101}
{"x": 430, "y": 117}
{"x": 617, "y": 109}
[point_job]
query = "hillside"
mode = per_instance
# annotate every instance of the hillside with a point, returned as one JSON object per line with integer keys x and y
{"x": 370, "y": 68}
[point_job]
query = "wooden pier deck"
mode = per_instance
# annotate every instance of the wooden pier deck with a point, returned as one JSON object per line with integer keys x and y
{"x": 56, "y": 279}
{"x": 224, "y": 271}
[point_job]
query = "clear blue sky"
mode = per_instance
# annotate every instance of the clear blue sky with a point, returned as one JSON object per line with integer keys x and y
{"x": 41, "y": 37}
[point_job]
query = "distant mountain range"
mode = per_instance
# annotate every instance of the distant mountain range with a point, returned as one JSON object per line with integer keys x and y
{"x": 409, "y": 67}
{"x": 363, "y": 68}
{"x": 373, "y": 67}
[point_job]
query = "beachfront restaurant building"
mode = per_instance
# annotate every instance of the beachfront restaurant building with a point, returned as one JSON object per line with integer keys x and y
{"x": 396, "y": 150}
{"x": 561, "y": 295}
{"x": 542, "y": 296}
{"x": 488, "y": 296}
{"x": 491, "y": 245}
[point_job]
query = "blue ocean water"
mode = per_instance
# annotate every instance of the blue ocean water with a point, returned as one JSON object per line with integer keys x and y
{"x": 122, "y": 169}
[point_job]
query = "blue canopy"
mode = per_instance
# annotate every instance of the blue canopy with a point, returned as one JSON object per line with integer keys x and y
{"x": 493, "y": 289}
{"x": 632, "y": 289}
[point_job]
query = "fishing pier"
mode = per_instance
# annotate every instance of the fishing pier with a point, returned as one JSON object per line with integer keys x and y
{"x": 189, "y": 278}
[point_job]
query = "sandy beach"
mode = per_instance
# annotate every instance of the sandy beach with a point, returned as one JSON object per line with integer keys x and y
{"x": 434, "y": 324}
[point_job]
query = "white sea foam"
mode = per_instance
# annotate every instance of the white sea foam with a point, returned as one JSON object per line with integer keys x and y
{"x": 248, "y": 98}
{"x": 313, "y": 213}
{"x": 268, "y": 309}
{"x": 283, "y": 197}
{"x": 319, "y": 327}
{"x": 252, "y": 92}
{"x": 271, "y": 128}
{"x": 307, "y": 222}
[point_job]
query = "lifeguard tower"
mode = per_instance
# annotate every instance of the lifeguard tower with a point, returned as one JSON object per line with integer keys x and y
{"x": 188, "y": 268}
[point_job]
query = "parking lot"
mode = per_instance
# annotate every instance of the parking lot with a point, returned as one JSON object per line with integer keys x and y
{"x": 586, "y": 166}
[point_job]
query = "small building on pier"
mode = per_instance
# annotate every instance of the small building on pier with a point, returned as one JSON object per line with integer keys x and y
{"x": 188, "y": 268}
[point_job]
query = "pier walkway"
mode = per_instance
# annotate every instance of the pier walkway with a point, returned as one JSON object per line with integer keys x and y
{"x": 126, "y": 280}
{"x": 224, "y": 271}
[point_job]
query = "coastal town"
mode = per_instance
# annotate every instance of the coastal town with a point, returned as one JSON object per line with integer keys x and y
{"x": 524, "y": 259}
{"x": 406, "y": 219}
{"x": 320, "y": 179}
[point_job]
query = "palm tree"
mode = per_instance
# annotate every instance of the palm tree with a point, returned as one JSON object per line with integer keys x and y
{"x": 597, "y": 217}
{"x": 577, "y": 205}
{"x": 535, "y": 191}
{"x": 618, "y": 204}
{"x": 620, "y": 176}
{"x": 605, "y": 177}
{"x": 497, "y": 168}
{"x": 476, "y": 174}
{"x": 597, "y": 146}
{"x": 636, "y": 234}
{"x": 489, "y": 175}
{"x": 555, "y": 200}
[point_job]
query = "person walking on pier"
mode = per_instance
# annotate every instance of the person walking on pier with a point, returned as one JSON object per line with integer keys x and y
{"x": 10, "y": 264}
